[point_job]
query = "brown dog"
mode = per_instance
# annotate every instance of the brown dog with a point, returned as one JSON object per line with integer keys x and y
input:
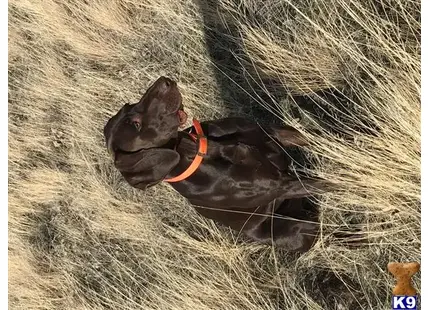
{"x": 244, "y": 180}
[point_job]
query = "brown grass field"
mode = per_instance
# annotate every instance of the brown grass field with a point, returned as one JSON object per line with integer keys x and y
{"x": 347, "y": 73}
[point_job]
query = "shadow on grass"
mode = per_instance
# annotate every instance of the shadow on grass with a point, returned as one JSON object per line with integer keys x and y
{"x": 244, "y": 90}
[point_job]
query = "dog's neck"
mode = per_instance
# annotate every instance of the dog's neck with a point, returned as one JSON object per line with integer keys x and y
{"x": 185, "y": 145}
{"x": 187, "y": 149}
{"x": 171, "y": 144}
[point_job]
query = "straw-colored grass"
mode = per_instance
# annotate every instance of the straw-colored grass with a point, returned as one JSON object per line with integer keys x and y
{"x": 81, "y": 238}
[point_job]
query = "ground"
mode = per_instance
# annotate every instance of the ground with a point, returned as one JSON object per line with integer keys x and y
{"x": 346, "y": 73}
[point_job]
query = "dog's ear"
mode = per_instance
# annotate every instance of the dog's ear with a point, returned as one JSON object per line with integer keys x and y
{"x": 146, "y": 168}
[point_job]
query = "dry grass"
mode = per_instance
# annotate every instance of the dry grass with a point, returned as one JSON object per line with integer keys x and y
{"x": 81, "y": 238}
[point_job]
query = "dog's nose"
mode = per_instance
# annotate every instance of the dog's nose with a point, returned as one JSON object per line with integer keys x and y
{"x": 166, "y": 82}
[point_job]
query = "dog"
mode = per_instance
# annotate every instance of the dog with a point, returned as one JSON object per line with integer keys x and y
{"x": 232, "y": 170}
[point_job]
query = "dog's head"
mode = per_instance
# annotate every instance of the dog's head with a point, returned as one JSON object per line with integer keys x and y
{"x": 150, "y": 123}
{"x": 137, "y": 134}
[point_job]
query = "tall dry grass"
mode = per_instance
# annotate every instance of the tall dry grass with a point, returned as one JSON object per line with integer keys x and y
{"x": 81, "y": 238}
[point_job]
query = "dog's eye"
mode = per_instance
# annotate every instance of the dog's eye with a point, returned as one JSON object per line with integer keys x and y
{"x": 136, "y": 125}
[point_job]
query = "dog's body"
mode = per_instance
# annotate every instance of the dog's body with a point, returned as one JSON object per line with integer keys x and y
{"x": 245, "y": 180}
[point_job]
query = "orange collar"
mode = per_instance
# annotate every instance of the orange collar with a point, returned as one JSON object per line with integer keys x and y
{"x": 203, "y": 147}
